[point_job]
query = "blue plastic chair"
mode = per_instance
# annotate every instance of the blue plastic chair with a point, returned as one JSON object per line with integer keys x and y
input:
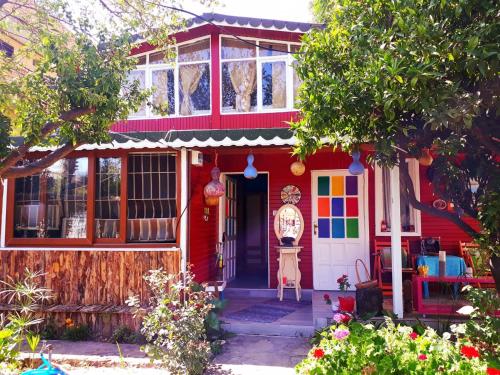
{"x": 45, "y": 369}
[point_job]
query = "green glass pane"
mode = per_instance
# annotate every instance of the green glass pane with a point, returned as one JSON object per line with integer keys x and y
{"x": 323, "y": 185}
{"x": 352, "y": 228}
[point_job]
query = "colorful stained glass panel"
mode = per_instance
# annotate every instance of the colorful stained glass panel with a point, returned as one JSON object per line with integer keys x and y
{"x": 337, "y": 206}
{"x": 338, "y": 230}
{"x": 323, "y": 185}
{"x": 323, "y": 207}
{"x": 352, "y": 228}
{"x": 351, "y": 207}
{"x": 324, "y": 228}
{"x": 337, "y": 186}
{"x": 351, "y": 185}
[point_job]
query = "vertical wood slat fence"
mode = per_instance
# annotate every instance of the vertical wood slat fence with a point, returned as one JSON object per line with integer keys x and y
{"x": 83, "y": 280}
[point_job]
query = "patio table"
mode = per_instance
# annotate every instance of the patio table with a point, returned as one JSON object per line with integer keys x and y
{"x": 455, "y": 266}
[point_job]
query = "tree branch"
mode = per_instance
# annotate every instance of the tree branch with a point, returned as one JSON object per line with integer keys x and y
{"x": 39, "y": 165}
{"x": 410, "y": 190}
{"x": 17, "y": 155}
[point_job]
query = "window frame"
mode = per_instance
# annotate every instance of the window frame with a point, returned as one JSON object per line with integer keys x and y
{"x": 259, "y": 60}
{"x": 414, "y": 170}
{"x": 90, "y": 240}
{"x": 149, "y": 68}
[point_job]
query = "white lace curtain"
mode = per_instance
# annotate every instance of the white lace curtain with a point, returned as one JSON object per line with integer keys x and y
{"x": 243, "y": 78}
{"x": 190, "y": 76}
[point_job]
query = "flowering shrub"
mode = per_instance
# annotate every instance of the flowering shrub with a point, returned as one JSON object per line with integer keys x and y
{"x": 355, "y": 348}
{"x": 174, "y": 325}
{"x": 343, "y": 282}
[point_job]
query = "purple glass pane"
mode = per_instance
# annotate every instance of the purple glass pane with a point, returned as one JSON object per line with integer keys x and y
{"x": 337, "y": 206}
{"x": 351, "y": 185}
{"x": 323, "y": 228}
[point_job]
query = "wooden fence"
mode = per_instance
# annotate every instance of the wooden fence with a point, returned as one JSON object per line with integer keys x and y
{"x": 91, "y": 286}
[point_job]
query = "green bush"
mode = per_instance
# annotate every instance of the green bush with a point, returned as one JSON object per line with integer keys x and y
{"x": 125, "y": 335}
{"x": 363, "y": 349}
{"x": 77, "y": 333}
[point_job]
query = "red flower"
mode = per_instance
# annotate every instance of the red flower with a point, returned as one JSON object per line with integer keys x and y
{"x": 492, "y": 371}
{"x": 469, "y": 351}
{"x": 413, "y": 335}
{"x": 422, "y": 357}
{"x": 339, "y": 280}
{"x": 326, "y": 296}
{"x": 318, "y": 353}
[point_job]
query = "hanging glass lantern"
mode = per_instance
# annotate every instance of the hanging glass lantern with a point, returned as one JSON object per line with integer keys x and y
{"x": 426, "y": 159}
{"x": 250, "y": 171}
{"x": 356, "y": 168}
{"x": 214, "y": 189}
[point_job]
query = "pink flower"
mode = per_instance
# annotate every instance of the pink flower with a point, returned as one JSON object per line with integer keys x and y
{"x": 318, "y": 353}
{"x": 342, "y": 318}
{"x": 340, "y": 334}
{"x": 422, "y": 357}
{"x": 413, "y": 335}
{"x": 469, "y": 351}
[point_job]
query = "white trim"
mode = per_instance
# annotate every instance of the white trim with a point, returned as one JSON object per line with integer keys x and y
{"x": 260, "y": 27}
{"x": 222, "y": 213}
{"x": 397, "y": 268}
{"x": 69, "y": 248}
{"x": 184, "y": 209}
{"x": 365, "y": 216}
{"x": 413, "y": 168}
{"x": 5, "y": 184}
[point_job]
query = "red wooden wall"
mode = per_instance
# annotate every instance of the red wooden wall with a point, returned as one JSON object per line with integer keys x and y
{"x": 277, "y": 163}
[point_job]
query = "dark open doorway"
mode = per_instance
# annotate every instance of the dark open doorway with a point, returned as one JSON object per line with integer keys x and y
{"x": 252, "y": 232}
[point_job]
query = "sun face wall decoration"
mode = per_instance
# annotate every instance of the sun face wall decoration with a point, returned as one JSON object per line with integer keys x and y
{"x": 290, "y": 194}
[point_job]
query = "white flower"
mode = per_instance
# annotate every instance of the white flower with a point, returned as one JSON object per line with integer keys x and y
{"x": 466, "y": 310}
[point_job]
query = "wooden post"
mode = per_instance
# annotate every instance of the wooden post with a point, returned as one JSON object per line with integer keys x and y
{"x": 184, "y": 214}
{"x": 397, "y": 271}
{"x": 3, "y": 219}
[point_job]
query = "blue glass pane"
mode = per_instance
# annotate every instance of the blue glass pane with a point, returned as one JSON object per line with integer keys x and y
{"x": 338, "y": 228}
{"x": 323, "y": 228}
{"x": 337, "y": 206}
{"x": 351, "y": 185}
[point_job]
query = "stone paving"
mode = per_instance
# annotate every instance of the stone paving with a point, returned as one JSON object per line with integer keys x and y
{"x": 242, "y": 355}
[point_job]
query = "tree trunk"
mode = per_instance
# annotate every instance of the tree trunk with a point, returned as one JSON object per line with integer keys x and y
{"x": 495, "y": 270}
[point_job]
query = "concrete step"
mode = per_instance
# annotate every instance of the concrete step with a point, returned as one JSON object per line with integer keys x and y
{"x": 265, "y": 293}
{"x": 268, "y": 329}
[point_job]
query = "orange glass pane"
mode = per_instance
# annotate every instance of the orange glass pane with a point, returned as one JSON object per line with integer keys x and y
{"x": 337, "y": 186}
{"x": 324, "y": 207}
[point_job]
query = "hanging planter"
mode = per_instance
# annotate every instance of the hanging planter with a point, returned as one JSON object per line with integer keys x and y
{"x": 297, "y": 168}
{"x": 214, "y": 189}
{"x": 426, "y": 159}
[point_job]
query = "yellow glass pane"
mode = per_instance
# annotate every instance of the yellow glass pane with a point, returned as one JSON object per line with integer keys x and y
{"x": 337, "y": 185}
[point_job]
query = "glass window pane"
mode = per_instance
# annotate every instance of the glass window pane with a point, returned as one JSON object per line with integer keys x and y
{"x": 272, "y": 49}
{"x": 239, "y": 88}
{"x": 194, "y": 89}
{"x": 107, "y": 200}
{"x": 297, "y": 82}
{"x": 274, "y": 85}
{"x": 140, "y": 77}
{"x": 236, "y": 49}
{"x": 141, "y": 60}
{"x": 163, "y": 96}
{"x": 150, "y": 198}
{"x": 157, "y": 58}
{"x": 198, "y": 51}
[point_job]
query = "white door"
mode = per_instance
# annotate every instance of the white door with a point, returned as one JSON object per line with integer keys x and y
{"x": 229, "y": 220}
{"x": 340, "y": 226}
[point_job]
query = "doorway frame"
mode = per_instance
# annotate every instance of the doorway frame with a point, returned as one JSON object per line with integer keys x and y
{"x": 222, "y": 213}
{"x": 366, "y": 217}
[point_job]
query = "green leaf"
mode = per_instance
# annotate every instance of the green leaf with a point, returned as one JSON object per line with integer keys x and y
{"x": 450, "y": 56}
{"x": 399, "y": 79}
{"x": 5, "y": 333}
{"x": 472, "y": 43}
{"x": 413, "y": 82}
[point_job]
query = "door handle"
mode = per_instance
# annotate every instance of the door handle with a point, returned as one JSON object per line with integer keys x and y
{"x": 315, "y": 226}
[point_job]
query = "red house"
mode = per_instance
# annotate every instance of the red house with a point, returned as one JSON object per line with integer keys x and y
{"x": 97, "y": 221}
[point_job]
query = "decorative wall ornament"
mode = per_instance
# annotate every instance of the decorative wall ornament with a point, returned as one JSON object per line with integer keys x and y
{"x": 440, "y": 204}
{"x": 250, "y": 171}
{"x": 356, "y": 168}
{"x": 290, "y": 194}
{"x": 214, "y": 189}
{"x": 297, "y": 168}
{"x": 426, "y": 159}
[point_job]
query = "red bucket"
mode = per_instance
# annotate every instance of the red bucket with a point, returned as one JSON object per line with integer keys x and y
{"x": 346, "y": 304}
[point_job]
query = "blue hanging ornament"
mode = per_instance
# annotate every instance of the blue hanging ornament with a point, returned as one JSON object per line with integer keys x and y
{"x": 356, "y": 168}
{"x": 250, "y": 172}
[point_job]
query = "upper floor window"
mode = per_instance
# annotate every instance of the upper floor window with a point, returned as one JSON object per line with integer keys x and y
{"x": 181, "y": 86}
{"x": 410, "y": 217}
{"x": 6, "y": 48}
{"x": 257, "y": 75}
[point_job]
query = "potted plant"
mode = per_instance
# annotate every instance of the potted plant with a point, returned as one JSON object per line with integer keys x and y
{"x": 346, "y": 303}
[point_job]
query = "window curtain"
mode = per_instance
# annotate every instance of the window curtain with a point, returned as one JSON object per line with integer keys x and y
{"x": 386, "y": 192}
{"x": 243, "y": 78}
{"x": 160, "y": 82}
{"x": 190, "y": 76}
{"x": 279, "y": 85}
